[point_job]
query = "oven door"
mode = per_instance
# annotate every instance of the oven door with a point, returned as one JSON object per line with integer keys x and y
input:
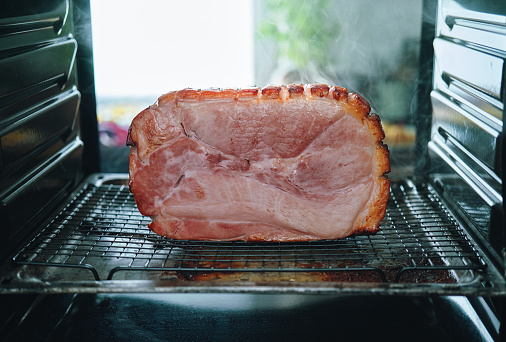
{"x": 266, "y": 317}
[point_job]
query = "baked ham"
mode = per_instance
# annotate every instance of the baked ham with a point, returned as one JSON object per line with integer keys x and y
{"x": 289, "y": 163}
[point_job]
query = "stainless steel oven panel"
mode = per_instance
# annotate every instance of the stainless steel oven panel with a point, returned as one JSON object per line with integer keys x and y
{"x": 467, "y": 136}
{"x": 25, "y": 22}
{"x": 41, "y": 152}
{"x": 477, "y": 68}
{"x": 46, "y": 127}
{"x": 33, "y": 67}
{"x": 25, "y": 204}
{"x": 476, "y": 22}
{"x": 471, "y": 136}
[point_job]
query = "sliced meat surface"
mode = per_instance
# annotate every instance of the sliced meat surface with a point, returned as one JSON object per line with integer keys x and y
{"x": 289, "y": 163}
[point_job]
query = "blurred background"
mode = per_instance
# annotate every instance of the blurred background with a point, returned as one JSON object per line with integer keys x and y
{"x": 160, "y": 46}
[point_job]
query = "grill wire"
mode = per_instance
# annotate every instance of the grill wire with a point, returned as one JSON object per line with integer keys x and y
{"x": 102, "y": 232}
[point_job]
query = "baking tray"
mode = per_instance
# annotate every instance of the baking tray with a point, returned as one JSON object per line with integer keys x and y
{"x": 99, "y": 242}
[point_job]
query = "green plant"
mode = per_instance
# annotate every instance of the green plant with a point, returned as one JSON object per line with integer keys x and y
{"x": 302, "y": 30}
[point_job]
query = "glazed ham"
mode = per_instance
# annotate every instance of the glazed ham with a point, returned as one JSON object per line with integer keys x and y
{"x": 289, "y": 163}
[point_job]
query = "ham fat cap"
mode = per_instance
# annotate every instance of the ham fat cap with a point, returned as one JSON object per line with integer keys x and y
{"x": 287, "y": 163}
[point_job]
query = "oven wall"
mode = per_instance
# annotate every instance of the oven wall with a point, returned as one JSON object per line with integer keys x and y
{"x": 45, "y": 117}
{"x": 466, "y": 144}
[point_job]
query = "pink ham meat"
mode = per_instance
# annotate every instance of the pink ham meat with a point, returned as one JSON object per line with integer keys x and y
{"x": 289, "y": 163}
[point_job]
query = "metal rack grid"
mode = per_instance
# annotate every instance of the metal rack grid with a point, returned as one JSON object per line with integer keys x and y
{"x": 101, "y": 231}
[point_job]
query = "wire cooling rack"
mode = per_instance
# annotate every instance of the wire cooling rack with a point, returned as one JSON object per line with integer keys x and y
{"x": 101, "y": 231}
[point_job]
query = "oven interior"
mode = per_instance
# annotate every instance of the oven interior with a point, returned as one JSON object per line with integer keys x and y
{"x": 75, "y": 246}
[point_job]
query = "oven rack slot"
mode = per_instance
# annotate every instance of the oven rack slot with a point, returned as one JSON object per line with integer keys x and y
{"x": 101, "y": 232}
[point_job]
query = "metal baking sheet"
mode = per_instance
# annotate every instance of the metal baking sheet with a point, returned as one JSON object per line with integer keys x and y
{"x": 99, "y": 242}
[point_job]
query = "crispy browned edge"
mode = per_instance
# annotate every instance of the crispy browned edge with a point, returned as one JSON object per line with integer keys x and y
{"x": 355, "y": 105}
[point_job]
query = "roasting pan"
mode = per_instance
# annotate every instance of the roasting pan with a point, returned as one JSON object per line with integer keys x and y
{"x": 97, "y": 241}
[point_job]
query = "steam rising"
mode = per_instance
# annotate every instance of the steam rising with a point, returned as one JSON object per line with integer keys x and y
{"x": 364, "y": 46}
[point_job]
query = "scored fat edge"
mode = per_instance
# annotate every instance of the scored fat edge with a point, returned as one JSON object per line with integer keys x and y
{"x": 360, "y": 106}
{"x": 271, "y": 92}
{"x": 248, "y": 94}
{"x": 283, "y": 93}
{"x": 191, "y": 94}
{"x": 320, "y": 90}
{"x": 338, "y": 93}
{"x": 188, "y": 94}
{"x": 218, "y": 93}
{"x": 295, "y": 90}
{"x": 165, "y": 98}
{"x": 307, "y": 91}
